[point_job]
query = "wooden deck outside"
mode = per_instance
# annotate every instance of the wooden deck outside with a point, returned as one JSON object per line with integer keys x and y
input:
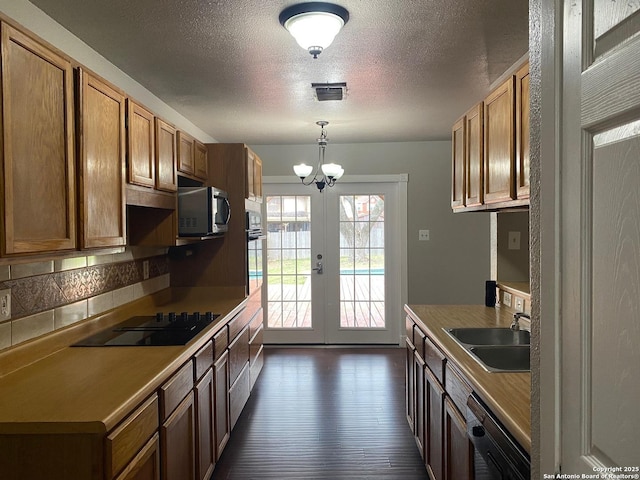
{"x": 361, "y": 303}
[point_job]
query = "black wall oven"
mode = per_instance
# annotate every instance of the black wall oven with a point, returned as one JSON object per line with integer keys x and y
{"x": 255, "y": 241}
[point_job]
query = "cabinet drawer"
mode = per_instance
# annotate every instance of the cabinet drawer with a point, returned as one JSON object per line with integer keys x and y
{"x": 457, "y": 388}
{"x": 203, "y": 360}
{"x": 239, "y": 394}
{"x": 255, "y": 346}
{"x": 409, "y": 329}
{"x": 130, "y": 436}
{"x": 175, "y": 389}
{"x": 418, "y": 341}
{"x": 238, "y": 355}
{"x": 237, "y": 323}
{"x": 220, "y": 343}
{"x": 256, "y": 364}
{"x": 256, "y": 323}
{"x": 434, "y": 359}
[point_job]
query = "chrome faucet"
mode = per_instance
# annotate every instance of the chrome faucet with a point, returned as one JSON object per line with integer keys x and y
{"x": 516, "y": 316}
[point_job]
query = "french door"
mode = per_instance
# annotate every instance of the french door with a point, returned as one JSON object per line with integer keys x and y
{"x": 333, "y": 264}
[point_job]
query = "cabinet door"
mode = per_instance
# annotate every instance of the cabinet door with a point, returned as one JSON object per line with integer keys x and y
{"x": 473, "y": 156}
{"x": 166, "y": 174}
{"x": 251, "y": 165}
{"x": 434, "y": 407}
{"x": 458, "y": 138}
{"x": 186, "y": 155}
{"x": 201, "y": 168}
{"x": 37, "y": 147}
{"x": 102, "y": 167}
{"x": 205, "y": 445}
{"x": 221, "y": 381}
{"x": 419, "y": 402}
{"x": 257, "y": 179}
{"x": 499, "y": 151}
{"x": 522, "y": 132}
{"x": 178, "y": 442}
{"x": 458, "y": 449}
{"x": 141, "y": 145}
{"x": 410, "y": 381}
{"x": 145, "y": 465}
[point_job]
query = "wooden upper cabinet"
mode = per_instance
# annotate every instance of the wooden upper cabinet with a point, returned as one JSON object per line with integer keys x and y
{"x": 141, "y": 145}
{"x": 474, "y": 156}
{"x": 257, "y": 179}
{"x": 201, "y": 168}
{"x": 186, "y": 154}
{"x": 39, "y": 213}
{"x": 499, "y": 139}
{"x": 249, "y": 179}
{"x": 522, "y": 132}
{"x": 253, "y": 179}
{"x": 458, "y": 137}
{"x": 102, "y": 166}
{"x": 166, "y": 174}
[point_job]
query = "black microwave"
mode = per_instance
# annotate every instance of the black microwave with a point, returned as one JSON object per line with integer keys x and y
{"x": 202, "y": 211}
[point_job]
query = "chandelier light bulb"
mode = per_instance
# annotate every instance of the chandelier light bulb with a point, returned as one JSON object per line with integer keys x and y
{"x": 302, "y": 170}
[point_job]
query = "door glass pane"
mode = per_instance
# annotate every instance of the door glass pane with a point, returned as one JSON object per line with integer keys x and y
{"x": 289, "y": 261}
{"x": 362, "y": 261}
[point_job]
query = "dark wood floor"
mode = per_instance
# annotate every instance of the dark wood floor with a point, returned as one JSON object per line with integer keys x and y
{"x": 325, "y": 413}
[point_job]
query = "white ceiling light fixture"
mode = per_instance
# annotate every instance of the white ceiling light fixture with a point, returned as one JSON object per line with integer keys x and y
{"x": 331, "y": 172}
{"x": 314, "y": 25}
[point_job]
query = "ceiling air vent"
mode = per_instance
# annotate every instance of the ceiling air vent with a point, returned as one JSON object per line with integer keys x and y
{"x": 329, "y": 91}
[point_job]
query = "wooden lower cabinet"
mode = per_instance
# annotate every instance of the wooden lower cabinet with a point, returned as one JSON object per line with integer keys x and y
{"x": 434, "y": 407}
{"x": 458, "y": 449}
{"x": 410, "y": 383}
{"x": 221, "y": 393}
{"x": 146, "y": 465}
{"x": 205, "y": 437}
{"x": 177, "y": 436}
{"x": 419, "y": 394}
{"x": 239, "y": 394}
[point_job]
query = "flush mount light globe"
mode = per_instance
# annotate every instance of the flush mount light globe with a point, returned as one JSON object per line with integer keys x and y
{"x": 314, "y": 25}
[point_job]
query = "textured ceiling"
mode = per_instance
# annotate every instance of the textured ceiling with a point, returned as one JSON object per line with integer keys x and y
{"x": 411, "y": 66}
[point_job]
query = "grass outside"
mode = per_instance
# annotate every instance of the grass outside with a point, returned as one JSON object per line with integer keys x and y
{"x": 288, "y": 271}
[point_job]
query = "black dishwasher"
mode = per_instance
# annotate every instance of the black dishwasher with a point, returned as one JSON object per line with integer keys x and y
{"x": 497, "y": 456}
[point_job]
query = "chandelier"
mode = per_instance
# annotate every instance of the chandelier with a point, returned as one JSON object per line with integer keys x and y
{"x": 330, "y": 172}
{"x": 314, "y": 25}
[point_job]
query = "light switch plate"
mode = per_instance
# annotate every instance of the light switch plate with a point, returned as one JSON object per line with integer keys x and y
{"x": 514, "y": 240}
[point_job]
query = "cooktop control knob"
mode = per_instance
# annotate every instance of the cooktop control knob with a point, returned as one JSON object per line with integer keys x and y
{"x": 159, "y": 316}
{"x": 184, "y": 317}
{"x": 196, "y": 316}
{"x": 209, "y": 316}
{"x": 172, "y": 316}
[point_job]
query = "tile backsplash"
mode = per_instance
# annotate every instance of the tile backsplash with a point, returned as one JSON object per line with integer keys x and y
{"x": 46, "y": 296}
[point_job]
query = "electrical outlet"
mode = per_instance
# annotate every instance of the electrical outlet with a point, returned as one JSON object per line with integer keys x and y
{"x": 5, "y": 304}
{"x": 423, "y": 235}
{"x": 145, "y": 269}
{"x": 506, "y": 299}
{"x": 519, "y": 304}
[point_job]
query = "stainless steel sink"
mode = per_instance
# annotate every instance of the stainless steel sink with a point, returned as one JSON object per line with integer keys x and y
{"x": 503, "y": 358}
{"x": 490, "y": 336}
{"x": 495, "y": 349}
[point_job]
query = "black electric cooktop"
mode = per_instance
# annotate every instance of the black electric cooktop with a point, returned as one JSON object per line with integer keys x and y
{"x": 159, "y": 330}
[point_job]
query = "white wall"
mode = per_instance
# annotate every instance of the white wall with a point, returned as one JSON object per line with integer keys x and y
{"x": 452, "y": 267}
{"x": 35, "y": 20}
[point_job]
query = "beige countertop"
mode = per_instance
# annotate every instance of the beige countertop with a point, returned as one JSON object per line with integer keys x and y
{"x": 54, "y": 388}
{"x": 508, "y": 395}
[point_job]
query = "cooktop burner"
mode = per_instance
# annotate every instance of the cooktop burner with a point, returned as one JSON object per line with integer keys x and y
{"x": 159, "y": 330}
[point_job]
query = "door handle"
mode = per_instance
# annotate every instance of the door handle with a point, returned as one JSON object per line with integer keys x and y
{"x": 318, "y": 268}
